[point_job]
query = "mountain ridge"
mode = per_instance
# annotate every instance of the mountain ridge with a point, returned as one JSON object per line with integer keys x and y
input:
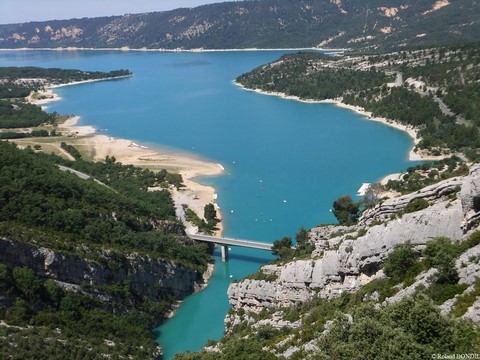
{"x": 261, "y": 24}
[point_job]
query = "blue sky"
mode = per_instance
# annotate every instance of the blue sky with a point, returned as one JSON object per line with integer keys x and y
{"x": 16, "y": 11}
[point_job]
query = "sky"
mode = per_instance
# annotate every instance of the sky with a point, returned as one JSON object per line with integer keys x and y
{"x": 18, "y": 11}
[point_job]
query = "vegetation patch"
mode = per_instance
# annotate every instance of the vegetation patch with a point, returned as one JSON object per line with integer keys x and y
{"x": 416, "y": 205}
{"x": 41, "y": 318}
{"x": 260, "y": 275}
{"x": 419, "y": 176}
{"x": 207, "y": 225}
{"x": 466, "y": 300}
{"x": 72, "y": 150}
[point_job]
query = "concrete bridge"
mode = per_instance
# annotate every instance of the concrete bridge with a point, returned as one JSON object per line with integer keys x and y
{"x": 225, "y": 242}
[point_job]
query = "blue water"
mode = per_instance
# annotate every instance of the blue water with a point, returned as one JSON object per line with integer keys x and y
{"x": 285, "y": 161}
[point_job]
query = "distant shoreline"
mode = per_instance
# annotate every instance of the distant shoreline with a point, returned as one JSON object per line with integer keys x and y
{"x": 54, "y": 86}
{"x": 197, "y": 50}
{"x": 410, "y": 130}
{"x": 49, "y": 95}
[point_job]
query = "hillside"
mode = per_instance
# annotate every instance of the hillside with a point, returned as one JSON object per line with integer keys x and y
{"x": 433, "y": 90}
{"x": 263, "y": 24}
{"x": 401, "y": 283}
{"x": 88, "y": 267}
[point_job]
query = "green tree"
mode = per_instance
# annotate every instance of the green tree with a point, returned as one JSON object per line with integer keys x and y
{"x": 27, "y": 282}
{"x": 17, "y": 313}
{"x": 53, "y": 291}
{"x": 283, "y": 247}
{"x": 441, "y": 253}
{"x": 346, "y": 210}
{"x": 416, "y": 205}
{"x": 4, "y": 278}
{"x": 210, "y": 213}
{"x": 174, "y": 179}
{"x": 398, "y": 261}
{"x": 302, "y": 238}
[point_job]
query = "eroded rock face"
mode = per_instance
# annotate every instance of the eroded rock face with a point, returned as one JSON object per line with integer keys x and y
{"x": 147, "y": 276}
{"x": 468, "y": 266}
{"x": 470, "y": 196}
{"x": 433, "y": 193}
{"x": 341, "y": 264}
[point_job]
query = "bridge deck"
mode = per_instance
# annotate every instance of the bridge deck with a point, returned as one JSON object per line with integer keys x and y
{"x": 232, "y": 242}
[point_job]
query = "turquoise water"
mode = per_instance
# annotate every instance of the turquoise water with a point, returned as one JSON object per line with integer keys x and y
{"x": 285, "y": 161}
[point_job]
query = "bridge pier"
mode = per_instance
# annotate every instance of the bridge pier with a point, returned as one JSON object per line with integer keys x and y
{"x": 224, "y": 249}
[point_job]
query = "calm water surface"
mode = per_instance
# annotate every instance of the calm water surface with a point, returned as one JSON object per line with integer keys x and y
{"x": 285, "y": 161}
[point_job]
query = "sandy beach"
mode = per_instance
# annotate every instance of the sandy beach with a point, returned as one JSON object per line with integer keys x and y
{"x": 43, "y": 97}
{"x": 98, "y": 147}
{"x": 195, "y": 195}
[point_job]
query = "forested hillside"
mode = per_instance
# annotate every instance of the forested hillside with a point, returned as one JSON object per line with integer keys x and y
{"x": 263, "y": 24}
{"x": 85, "y": 266}
{"x": 17, "y": 83}
{"x": 411, "y": 87}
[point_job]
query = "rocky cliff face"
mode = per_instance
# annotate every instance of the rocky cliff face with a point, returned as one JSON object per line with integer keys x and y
{"x": 152, "y": 278}
{"x": 346, "y": 258}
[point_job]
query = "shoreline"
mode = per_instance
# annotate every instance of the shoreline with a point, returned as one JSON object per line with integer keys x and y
{"x": 165, "y": 50}
{"x": 128, "y": 152}
{"x": 411, "y": 131}
{"x": 48, "y": 95}
{"x": 55, "y": 86}
{"x": 98, "y": 146}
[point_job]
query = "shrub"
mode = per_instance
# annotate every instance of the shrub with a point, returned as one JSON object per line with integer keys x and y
{"x": 440, "y": 253}
{"x": 283, "y": 248}
{"x": 345, "y": 210}
{"x": 398, "y": 261}
{"x": 416, "y": 205}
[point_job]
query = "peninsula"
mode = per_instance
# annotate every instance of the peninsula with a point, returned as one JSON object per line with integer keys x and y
{"x": 38, "y": 85}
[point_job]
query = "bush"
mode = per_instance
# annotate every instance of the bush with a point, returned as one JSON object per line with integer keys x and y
{"x": 346, "y": 210}
{"x": 283, "y": 248}
{"x": 399, "y": 261}
{"x": 440, "y": 253}
{"x": 416, "y": 205}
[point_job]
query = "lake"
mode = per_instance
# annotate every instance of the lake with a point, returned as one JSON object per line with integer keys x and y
{"x": 285, "y": 161}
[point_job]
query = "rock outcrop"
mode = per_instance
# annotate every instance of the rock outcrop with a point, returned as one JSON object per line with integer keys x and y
{"x": 149, "y": 277}
{"x": 346, "y": 258}
{"x": 470, "y": 196}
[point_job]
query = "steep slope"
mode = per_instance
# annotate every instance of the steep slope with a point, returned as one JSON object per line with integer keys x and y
{"x": 87, "y": 266}
{"x": 348, "y": 261}
{"x": 399, "y": 284}
{"x": 262, "y": 24}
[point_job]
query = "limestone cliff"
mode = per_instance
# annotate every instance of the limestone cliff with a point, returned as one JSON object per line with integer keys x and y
{"x": 346, "y": 258}
{"x": 151, "y": 278}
